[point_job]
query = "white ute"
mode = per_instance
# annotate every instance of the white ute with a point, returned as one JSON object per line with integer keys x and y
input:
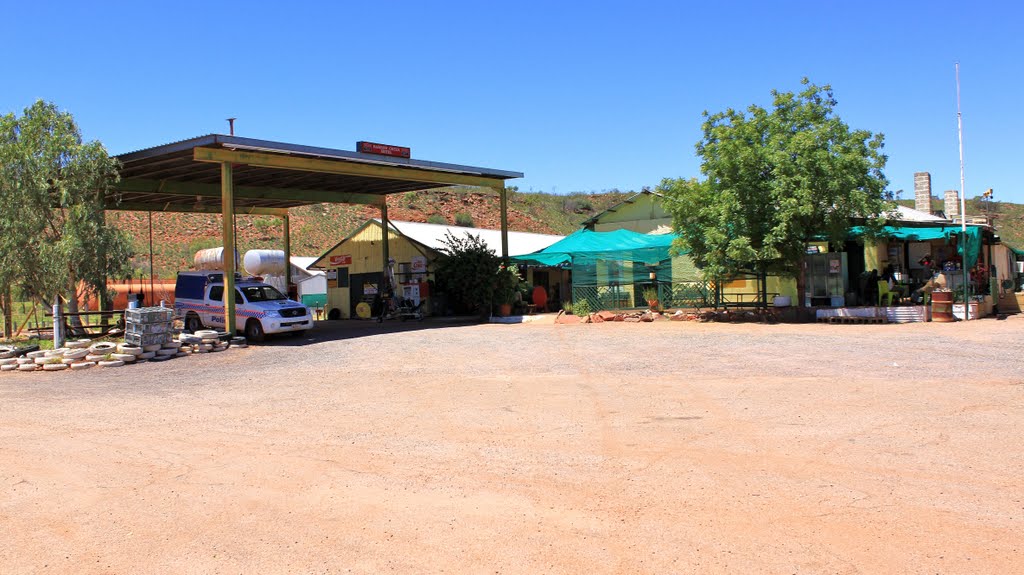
{"x": 260, "y": 309}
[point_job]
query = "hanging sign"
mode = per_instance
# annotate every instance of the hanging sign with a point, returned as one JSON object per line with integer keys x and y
{"x": 345, "y": 260}
{"x": 382, "y": 149}
{"x": 834, "y": 266}
{"x": 419, "y": 265}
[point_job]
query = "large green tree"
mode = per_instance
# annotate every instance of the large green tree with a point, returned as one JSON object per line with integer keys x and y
{"x": 53, "y": 239}
{"x": 774, "y": 180}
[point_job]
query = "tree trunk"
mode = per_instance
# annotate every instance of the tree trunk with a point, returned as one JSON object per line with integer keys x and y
{"x": 73, "y": 320}
{"x": 8, "y": 305}
{"x": 801, "y": 285}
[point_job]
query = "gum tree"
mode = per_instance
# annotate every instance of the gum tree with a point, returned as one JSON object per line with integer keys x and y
{"x": 53, "y": 238}
{"x": 775, "y": 179}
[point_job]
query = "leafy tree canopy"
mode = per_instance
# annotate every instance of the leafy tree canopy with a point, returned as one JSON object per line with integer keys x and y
{"x": 774, "y": 180}
{"x": 52, "y": 185}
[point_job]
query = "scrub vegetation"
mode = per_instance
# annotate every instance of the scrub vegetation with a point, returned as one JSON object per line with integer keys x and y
{"x": 176, "y": 237}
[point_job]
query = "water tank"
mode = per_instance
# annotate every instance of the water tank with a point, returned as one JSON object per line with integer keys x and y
{"x": 212, "y": 259}
{"x": 264, "y": 262}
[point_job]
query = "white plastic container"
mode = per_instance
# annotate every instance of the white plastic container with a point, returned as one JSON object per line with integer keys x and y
{"x": 264, "y": 262}
{"x": 782, "y": 301}
{"x": 211, "y": 259}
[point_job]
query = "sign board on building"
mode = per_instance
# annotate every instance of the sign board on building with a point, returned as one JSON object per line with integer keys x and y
{"x": 382, "y": 149}
{"x": 419, "y": 265}
{"x": 369, "y": 289}
{"x": 345, "y": 260}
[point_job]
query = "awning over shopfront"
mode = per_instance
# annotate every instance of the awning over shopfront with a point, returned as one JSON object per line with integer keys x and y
{"x": 929, "y": 233}
{"x": 585, "y": 246}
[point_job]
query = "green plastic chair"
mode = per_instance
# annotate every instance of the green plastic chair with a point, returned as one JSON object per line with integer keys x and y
{"x": 884, "y": 293}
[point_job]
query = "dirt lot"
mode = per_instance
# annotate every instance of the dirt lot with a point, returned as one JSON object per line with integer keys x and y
{"x": 611, "y": 448}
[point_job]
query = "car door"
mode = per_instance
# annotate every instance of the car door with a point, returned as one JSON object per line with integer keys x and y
{"x": 242, "y": 310}
{"x": 213, "y": 314}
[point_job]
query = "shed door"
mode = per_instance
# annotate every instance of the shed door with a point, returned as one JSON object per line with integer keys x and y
{"x": 363, "y": 287}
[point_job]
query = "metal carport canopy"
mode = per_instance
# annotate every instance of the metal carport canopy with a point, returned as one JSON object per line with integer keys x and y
{"x": 229, "y": 174}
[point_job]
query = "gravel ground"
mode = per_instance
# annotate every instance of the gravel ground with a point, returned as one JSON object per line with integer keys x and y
{"x": 536, "y": 448}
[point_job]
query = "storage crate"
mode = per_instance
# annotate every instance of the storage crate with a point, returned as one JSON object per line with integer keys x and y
{"x": 148, "y": 315}
{"x": 161, "y": 327}
{"x": 147, "y": 338}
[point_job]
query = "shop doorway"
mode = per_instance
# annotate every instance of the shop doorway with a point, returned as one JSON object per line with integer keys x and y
{"x": 364, "y": 288}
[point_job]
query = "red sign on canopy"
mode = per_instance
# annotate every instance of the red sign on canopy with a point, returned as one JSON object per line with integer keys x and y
{"x": 336, "y": 261}
{"x": 382, "y": 149}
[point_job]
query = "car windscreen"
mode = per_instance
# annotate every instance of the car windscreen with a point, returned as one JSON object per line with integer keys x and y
{"x": 262, "y": 293}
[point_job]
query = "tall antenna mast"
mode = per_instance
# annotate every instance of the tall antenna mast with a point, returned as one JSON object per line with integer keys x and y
{"x": 963, "y": 195}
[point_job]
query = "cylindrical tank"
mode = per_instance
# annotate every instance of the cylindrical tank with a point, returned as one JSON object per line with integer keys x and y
{"x": 264, "y": 262}
{"x": 212, "y": 259}
{"x": 942, "y": 306}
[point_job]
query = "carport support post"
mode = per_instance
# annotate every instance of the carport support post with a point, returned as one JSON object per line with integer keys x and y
{"x": 384, "y": 235}
{"x": 504, "y": 221}
{"x": 227, "y": 209}
{"x": 287, "y": 253}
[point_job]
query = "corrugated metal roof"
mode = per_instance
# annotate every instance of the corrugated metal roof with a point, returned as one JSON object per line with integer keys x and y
{"x": 911, "y": 215}
{"x": 432, "y": 236}
{"x": 304, "y": 263}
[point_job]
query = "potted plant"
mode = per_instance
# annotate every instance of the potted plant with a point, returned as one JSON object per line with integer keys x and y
{"x": 506, "y": 286}
{"x": 650, "y": 294}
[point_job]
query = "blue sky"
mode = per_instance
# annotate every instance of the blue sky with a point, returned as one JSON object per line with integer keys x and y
{"x": 578, "y": 96}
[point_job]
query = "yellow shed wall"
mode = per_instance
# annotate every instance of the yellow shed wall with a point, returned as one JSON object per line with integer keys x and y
{"x": 643, "y": 216}
{"x": 368, "y": 257}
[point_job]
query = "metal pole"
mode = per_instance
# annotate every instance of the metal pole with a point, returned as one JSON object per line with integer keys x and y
{"x": 503, "y": 194}
{"x": 58, "y": 325}
{"x": 227, "y": 202}
{"x": 384, "y": 235}
{"x": 152, "y": 294}
{"x": 286, "y": 221}
{"x": 963, "y": 195}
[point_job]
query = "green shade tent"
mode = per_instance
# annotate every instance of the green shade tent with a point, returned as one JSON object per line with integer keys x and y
{"x": 923, "y": 234}
{"x": 585, "y": 246}
{"x": 611, "y": 270}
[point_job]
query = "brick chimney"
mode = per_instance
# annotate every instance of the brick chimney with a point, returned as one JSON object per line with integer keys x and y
{"x": 923, "y": 192}
{"x": 952, "y": 204}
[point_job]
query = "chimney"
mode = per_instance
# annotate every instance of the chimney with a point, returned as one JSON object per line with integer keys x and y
{"x": 952, "y": 204}
{"x": 923, "y": 192}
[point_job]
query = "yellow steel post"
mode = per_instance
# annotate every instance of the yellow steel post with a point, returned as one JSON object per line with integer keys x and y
{"x": 287, "y": 252}
{"x": 227, "y": 203}
{"x": 504, "y": 221}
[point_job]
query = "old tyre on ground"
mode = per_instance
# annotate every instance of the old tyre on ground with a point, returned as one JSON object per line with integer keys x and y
{"x": 193, "y": 323}
{"x": 55, "y": 367}
{"x": 254, "y": 330}
{"x": 76, "y": 354}
{"x": 102, "y": 348}
{"x": 82, "y": 365}
{"x": 111, "y": 363}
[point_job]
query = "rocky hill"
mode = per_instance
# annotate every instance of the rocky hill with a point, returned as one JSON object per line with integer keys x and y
{"x": 315, "y": 229}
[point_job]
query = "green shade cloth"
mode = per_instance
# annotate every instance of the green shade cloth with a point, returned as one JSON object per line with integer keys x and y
{"x": 585, "y": 246}
{"x": 924, "y": 234}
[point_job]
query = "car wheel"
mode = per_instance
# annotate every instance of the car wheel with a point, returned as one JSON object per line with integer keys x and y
{"x": 254, "y": 330}
{"x": 193, "y": 323}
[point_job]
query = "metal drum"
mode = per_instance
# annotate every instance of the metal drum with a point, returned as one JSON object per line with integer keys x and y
{"x": 942, "y": 306}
